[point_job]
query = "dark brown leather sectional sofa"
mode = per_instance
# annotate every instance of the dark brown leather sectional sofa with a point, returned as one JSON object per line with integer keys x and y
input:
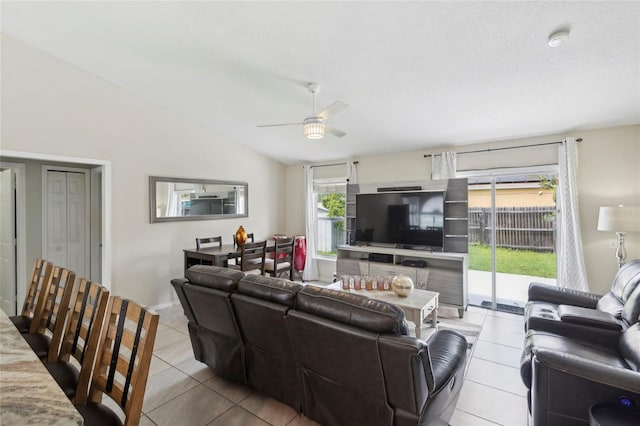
{"x": 338, "y": 358}
{"x": 582, "y": 351}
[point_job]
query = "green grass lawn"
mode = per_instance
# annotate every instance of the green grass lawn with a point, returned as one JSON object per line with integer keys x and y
{"x": 511, "y": 261}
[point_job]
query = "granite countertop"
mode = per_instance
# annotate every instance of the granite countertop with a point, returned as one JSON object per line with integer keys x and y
{"x": 28, "y": 393}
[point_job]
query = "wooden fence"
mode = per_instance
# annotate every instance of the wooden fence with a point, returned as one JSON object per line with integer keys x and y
{"x": 531, "y": 228}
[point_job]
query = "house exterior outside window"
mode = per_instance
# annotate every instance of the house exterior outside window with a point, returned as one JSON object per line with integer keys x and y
{"x": 330, "y": 194}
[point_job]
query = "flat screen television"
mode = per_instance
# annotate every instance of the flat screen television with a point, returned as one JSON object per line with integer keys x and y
{"x": 406, "y": 219}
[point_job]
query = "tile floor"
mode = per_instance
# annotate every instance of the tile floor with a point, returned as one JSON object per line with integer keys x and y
{"x": 183, "y": 391}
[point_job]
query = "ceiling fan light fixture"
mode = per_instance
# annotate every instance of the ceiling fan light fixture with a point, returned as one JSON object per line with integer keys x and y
{"x": 314, "y": 128}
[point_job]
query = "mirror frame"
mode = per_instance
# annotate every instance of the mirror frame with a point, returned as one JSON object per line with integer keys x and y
{"x": 153, "y": 180}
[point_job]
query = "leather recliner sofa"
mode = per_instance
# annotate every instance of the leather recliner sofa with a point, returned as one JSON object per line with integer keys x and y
{"x": 339, "y": 358}
{"x": 583, "y": 315}
{"x": 582, "y": 350}
{"x": 567, "y": 377}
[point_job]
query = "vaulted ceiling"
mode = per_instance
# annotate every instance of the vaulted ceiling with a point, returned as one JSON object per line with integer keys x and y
{"x": 415, "y": 74}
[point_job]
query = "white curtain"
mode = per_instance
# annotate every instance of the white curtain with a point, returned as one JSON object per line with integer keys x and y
{"x": 571, "y": 269}
{"x": 443, "y": 165}
{"x": 173, "y": 201}
{"x": 352, "y": 173}
{"x": 311, "y": 209}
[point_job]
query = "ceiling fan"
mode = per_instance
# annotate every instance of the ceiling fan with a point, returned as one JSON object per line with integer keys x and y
{"x": 316, "y": 125}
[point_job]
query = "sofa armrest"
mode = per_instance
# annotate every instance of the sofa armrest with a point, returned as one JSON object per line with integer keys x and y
{"x": 561, "y": 296}
{"x": 594, "y": 371}
{"x": 588, "y": 317}
{"x": 446, "y": 353}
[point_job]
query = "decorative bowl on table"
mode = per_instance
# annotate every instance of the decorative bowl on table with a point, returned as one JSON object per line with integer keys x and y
{"x": 402, "y": 285}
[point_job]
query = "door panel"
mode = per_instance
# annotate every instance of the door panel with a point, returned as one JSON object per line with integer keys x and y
{"x": 56, "y": 218}
{"x": 67, "y": 230}
{"x": 77, "y": 251}
{"x": 513, "y": 237}
{"x": 8, "y": 287}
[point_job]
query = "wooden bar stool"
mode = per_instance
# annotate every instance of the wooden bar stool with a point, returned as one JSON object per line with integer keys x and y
{"x": 80, "y": 341}
{"x": 39, "y": 278}
{"x": 122, "y": 364}
{"x": 47, "y": 327}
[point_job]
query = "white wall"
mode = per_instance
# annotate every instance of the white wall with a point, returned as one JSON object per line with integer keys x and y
{"x": 609, "y": 174}
{"x": 52, "y": 107}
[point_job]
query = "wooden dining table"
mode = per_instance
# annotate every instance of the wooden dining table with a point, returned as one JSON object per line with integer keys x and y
{"x": 216, "y": 255}
{"x": 28, "y": 393}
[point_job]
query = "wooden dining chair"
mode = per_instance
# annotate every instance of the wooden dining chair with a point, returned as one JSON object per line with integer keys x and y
{"x": 252, "y": 257}
{"x": 236, "y": 260}
{"x": 47, "y": 327}
{"x": 208, "y": 240}
{"x": 80, "y": 341}
{"x": 39, "y": 278}
{"x": 122, "y": 364}
{"x": 249, "y": 238}
{"x": 282, "y": 261}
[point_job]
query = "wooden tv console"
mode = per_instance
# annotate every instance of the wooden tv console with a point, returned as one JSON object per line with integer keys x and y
{"x": 445, "y": 273}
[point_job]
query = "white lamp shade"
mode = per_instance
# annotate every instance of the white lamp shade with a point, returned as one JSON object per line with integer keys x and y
{"x": 619, "y": 219}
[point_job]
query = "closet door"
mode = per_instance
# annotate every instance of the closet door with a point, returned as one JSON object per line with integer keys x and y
{"x": 66, "y": 221}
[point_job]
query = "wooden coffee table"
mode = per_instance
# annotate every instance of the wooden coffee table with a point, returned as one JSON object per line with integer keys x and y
{"x": 416, "y": 306}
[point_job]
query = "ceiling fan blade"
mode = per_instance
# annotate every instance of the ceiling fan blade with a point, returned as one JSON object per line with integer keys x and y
{"x": 332, "y": 109}
{"x": 283, "y": 124}
{"x": 334, "y": 131}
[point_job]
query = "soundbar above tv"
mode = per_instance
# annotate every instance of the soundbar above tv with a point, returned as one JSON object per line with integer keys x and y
{"x": 411, "y": 219}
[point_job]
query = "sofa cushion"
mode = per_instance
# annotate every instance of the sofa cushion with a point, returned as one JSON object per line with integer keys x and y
{"x": 542, "y": 341}
{"x": 272, "y": 289}
{"x": 630, "y": 346}
{"x": 214, "y": 277}
{"x": 352, "y": 309}
{"x": 622, "y": 289}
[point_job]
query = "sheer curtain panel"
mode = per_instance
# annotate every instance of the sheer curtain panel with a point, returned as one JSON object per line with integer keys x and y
{"x": 443, "y": 165}
{"x": 571, "y": 269}
{"x": 310, "y": 207}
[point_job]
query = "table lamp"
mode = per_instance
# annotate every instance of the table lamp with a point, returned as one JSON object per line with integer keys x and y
{"x": 620, "y": 220}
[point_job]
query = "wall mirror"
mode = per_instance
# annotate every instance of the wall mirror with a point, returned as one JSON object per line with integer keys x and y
{"x": 174, "y": 199}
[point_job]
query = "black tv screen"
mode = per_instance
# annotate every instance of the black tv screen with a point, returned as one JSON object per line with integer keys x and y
{"x": 412, "y": 219}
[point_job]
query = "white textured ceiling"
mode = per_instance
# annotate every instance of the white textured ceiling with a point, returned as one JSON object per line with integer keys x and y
{"x": 415, "y": 74}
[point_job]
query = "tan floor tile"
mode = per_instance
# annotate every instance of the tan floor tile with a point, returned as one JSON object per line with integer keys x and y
{"x": 515, "y": 325}
{"x": 166, "y": 337}
{"x": 501, "y": 354}
{"x": 177, "y": 352}
{"x": 501, "y": 337}
{"x": 157, "y": 365}
{"x": 268, "y": 409}
{"x": 229, "y": 390}
{"x": 496, "y": 375}
{"x": 460, "y": 418}
{"x": 237, "y": 416}
{"x": 492, "y": 404}
{"x": 196, "y": 407}
{"x": 301, "y": 420}
{"x": 144, "y": 421}
{"x": 165, "y": 386}
{"x": 196, "y": 369}
{"x": 182, "y": 327}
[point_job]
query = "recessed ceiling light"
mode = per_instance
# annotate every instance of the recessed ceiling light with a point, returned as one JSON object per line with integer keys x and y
{"x": 557, "y": 39}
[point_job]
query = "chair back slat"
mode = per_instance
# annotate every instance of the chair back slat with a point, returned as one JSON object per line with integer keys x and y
{"x": 208, "y": 240}
{"x": 125, "y": 349}
{"x": 51, "y": 319}
{"x": 82, "y": 332}
{"x": 283, "y": 253}
{"x": 250, "y": 238}
{"x": 39, "y": 278}
{"x": 252, "y": 256}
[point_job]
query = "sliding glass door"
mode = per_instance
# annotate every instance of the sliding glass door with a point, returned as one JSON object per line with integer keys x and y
{"x": 512, "y": 226}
